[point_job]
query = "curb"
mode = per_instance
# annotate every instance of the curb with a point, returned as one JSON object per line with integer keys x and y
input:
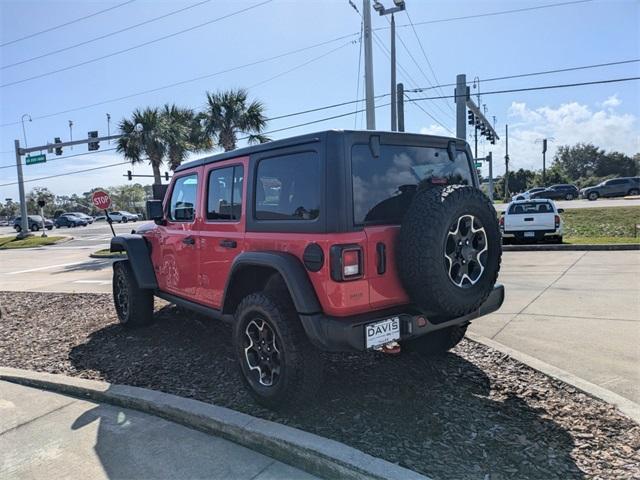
{"x": 312, "y": 453}
{"x": 64, "y": 239}
{"x": 626, "y": 406}
{"x": 568, "y": 247}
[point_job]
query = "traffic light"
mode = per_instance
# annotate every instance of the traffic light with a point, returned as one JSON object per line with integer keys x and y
{"x": 58, "y": 149}
{"x": 93, "y": 145}
{"x": 471, "y": 117}
{"x": 166, "y": 176}
{"x": 129, "y": 176}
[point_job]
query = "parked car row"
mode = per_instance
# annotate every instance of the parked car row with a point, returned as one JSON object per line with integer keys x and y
{"x": 615, "y": 187}
{"x": 34, "y": 222}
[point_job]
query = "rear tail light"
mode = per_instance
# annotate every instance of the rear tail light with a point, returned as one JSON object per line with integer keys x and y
{"x": 501, "y": 221}
{"x": 346, "y": 262}
{"x": 557, "y": 221}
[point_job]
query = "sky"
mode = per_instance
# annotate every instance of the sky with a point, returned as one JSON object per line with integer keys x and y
{"x": 534, "y": 40}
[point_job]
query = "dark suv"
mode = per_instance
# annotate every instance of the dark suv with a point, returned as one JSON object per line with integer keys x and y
{"x": 558, "y": 192}
{"x": 339, "y": 241}
{"x": 69, "y": 220}
{"x": 616, "y": 187}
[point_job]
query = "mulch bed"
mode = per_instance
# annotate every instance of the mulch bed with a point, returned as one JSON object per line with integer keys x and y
{"x": 474, "y": 413}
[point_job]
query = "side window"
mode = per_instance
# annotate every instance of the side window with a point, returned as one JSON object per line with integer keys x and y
{"x": 182, "y": 207}
{"x": 224, "y": 200}
{"x": 287, "y": 187}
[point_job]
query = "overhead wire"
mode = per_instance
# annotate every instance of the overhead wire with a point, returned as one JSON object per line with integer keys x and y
{"x": 56, "y": 27}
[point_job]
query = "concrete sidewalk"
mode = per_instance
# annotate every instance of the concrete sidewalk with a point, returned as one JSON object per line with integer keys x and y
{"x": 48, "y": 435}
{"x": 578, "y": 311}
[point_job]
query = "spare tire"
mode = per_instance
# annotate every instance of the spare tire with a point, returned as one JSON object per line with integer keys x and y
{"x": 449, "y": 250}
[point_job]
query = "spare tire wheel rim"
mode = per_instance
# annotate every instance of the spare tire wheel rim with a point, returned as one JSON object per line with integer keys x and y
{"x": 465, "y": 246}
{"x": 261, "y": 352}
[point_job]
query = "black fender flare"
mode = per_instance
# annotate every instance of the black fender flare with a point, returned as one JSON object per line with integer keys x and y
{"x": 139, "y": 258}
{"x": 289, "y": 267}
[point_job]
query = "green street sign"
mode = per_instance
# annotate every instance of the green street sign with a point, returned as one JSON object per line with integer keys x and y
{"x": 31, "y": 159}
{"x": 478, "y": 164}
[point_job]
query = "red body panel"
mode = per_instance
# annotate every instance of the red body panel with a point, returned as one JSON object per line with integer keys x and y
{"x": 199, "y": 272}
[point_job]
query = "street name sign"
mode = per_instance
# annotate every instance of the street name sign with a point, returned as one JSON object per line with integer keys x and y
{"x": 31, "y": 159}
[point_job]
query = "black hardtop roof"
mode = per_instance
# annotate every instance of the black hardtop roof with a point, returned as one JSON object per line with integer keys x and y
{"x": 290, "y": 141}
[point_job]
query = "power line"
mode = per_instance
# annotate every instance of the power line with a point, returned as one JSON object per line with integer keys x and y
{"x": 545, "y": 87}
{"x": 50, "y": 29}
{"x": 492, "y": 14}
{"x": 101, "y": 37}
{"x": 189, "y": 80}
{"x": 64, "y": 157}
{"x": 427, "y": 113}
{"x": 65, "y": 174}
{"x": 304, "y": 64}
{"x": 426, "y": 57}
{"x": 134, "y": 47}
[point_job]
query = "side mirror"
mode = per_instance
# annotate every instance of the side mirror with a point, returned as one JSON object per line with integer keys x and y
{"x": 561, "y": 210}
{"x": 154, "y": 211}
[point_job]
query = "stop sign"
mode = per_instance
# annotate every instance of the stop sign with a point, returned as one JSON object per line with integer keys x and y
{"x": 101, "y": 199}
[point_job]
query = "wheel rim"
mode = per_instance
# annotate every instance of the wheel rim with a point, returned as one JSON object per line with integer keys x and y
{"x": 122, "y": 293}
{"x": 261, "y": 352}
{"x": 465, "y": 251}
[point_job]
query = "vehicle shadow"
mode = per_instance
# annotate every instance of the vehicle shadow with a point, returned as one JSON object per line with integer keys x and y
{"x": 441, "y": 417}
{"x": 88, "y": 266}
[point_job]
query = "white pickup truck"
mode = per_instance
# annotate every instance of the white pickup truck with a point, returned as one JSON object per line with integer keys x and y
{"x": 532, "y": 220}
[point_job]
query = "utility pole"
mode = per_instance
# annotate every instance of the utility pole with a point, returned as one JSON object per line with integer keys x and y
{"x": 24, "y": 131}
{"x": 400, "y": 107}
{"x": 490, "y": 160}
{"x": 461, "y": 94}
{"x": 476, "y": 84}
{"x": 544, "y": 162}
{"x": 24, "y": 221}
{"x": 368, "y": 66}
{"x": 506, "y": 163}
{"x": 394, "y": 104}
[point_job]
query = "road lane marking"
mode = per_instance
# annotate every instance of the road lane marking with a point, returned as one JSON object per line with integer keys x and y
{"x": 50, "y": 266}
{"x": 97, "y": 282}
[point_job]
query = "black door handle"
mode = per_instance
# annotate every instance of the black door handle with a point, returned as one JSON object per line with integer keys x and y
{"x": 530, "y": 219}
{"x": 189, "y": 241}
{"x": 228, "y": 243}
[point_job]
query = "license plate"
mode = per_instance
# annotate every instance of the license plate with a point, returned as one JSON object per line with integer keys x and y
{"x": 384, "y": 331}
{"x": 529, "y": 234}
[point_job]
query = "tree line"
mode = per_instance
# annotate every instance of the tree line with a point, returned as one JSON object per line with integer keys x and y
{"x": 583, "y": 165}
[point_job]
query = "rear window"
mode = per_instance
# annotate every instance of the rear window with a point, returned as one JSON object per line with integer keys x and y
{"x": 528, "y": 208}
{"x": 383, "y": 187}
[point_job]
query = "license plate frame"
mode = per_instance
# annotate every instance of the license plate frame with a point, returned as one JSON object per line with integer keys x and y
{"x": 381, "y": 332}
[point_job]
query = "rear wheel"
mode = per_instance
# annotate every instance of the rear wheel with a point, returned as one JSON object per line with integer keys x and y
{"x": 438, "y": 342}
{"x": 633, "y": 192}
{"x": 35, "y": 228}
{"x": 568, "y": 196}
{"x": 134, "y": 305}
{"x": 278, "y": 363}
{"x": 18, "y": 228}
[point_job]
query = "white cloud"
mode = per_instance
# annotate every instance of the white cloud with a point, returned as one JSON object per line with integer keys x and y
{"x": 568, "y": 124}
{"x": 612, "y": 102}
{"x": 435, "y": 129}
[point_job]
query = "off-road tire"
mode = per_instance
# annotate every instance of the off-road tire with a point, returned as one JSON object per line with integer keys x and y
{"x": 436, "y": 343}
{"x": 422, "y": 243}
{"x": 134, "y": 305}
{"x": 300, "y": 363}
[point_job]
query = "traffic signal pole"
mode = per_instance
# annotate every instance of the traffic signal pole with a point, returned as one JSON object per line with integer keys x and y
{"x": 24, "y": 221}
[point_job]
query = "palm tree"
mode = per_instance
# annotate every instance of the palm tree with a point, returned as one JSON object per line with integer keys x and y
{"x": 168, "y": 135}
{"x": 228, "y": 114}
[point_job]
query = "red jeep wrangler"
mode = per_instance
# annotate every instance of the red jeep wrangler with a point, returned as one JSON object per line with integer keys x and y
{"x": 334, "y": 241}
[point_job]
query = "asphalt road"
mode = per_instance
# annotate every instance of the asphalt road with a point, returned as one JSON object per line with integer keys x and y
{"x": 578, "y": 311}
{"x": 601, "y": 203}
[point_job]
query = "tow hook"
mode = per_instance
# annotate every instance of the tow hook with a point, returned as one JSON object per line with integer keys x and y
{"x": 390, "y": 348}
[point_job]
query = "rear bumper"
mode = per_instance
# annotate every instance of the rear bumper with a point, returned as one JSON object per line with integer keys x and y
{"x": 336, "y": 334}
{"x": 539, "y": 234}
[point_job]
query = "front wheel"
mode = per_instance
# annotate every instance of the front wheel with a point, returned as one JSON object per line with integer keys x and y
{"x": 34, "y": 228}
{"x": 437, "y": 343}
{"x": 134, "y": 305}
{"x": 633, "y": 192}
{"x": 569, "y": 196}
{"x": 278, "y": 363}
{"x": 18, "y": 228}
{"x": 593, "y": 196}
